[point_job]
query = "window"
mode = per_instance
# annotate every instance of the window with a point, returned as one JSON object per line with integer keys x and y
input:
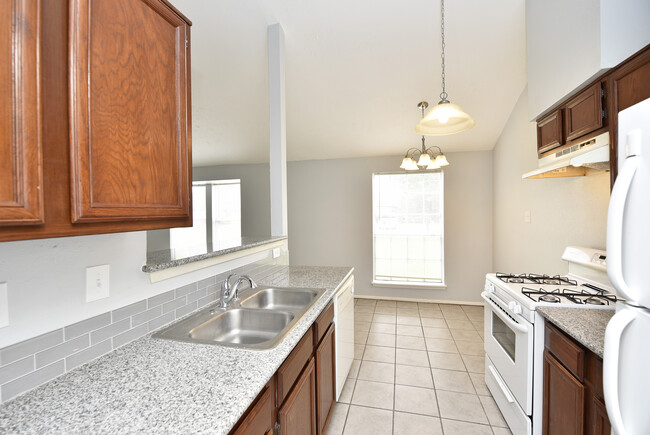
{"x": 408, "y": 228}
{"x": 216, "y": 213}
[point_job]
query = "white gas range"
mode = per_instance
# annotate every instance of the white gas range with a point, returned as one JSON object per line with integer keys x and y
{"x": 514, "y": 331}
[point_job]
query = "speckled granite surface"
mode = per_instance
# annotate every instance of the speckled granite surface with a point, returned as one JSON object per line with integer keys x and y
{"x": 162, "y": 386}
{"x": 166, "y": 258}
{"x": 586, "y": 326}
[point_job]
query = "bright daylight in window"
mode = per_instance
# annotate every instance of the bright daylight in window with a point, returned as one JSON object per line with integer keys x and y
{"x": 218, "y": 203}
{"x": 408, "y": 228}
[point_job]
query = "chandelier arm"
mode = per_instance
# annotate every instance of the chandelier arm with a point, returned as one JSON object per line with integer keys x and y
{"x": 435, "y": 146}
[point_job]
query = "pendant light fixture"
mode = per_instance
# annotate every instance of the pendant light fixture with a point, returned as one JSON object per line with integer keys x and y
{"x": 426, "y": 158}
{"x": 445, "y": 118}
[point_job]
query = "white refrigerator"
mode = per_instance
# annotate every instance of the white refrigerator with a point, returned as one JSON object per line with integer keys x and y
{"x": 626, "y": 362}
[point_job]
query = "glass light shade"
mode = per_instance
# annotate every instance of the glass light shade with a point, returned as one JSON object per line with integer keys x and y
{"x": 424, "y": 160}
{"x": 412, "y": 165}
{"x": 443, "y": 119}
{"x": 405, "y": 163}
{"x": 434, "y": 164}
{"x": 441, "y": 160}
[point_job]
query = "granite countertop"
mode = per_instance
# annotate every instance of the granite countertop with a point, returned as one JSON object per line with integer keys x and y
{"x": 167, "y": 258}
{"x": 585, "y": 325}
{"x": 162, "y": 386}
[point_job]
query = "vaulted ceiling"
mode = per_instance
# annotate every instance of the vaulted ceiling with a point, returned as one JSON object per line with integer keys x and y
{"x": 355, "y": 71}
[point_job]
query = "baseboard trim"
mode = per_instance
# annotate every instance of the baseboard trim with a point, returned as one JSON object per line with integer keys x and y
{"x": 431, "y": 301}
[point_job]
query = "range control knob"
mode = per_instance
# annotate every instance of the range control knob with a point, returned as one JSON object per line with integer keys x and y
{"x": 514, "y": 307}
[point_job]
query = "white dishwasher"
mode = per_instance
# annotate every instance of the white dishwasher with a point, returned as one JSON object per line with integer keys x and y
{"x": 344, "y": 328}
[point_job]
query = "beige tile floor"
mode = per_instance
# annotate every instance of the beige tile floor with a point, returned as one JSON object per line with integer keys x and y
{"x": 418, "y": 369}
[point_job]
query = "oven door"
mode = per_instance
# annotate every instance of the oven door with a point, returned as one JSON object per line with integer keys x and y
{"x": 509, "y": 345}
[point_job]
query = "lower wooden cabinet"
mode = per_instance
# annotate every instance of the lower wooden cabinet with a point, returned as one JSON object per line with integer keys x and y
{"x": 298, "y": 413}
{"x": 326, "y": 389}
{"x": 573, "y": 387}
{"x": 564, "y": 399}
{"x": 300, "y": 397}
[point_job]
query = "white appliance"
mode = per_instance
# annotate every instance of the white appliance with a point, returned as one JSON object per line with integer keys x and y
{"x": 514, "y": 331}
{"x": 626, "y": 362}
{"x": 344, "y": 328}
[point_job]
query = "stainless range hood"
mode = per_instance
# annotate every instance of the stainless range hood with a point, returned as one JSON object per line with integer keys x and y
{"x": 575, "y": 161}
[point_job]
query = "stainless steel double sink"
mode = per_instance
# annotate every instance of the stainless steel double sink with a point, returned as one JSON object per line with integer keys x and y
{"x": 260, "y": 320}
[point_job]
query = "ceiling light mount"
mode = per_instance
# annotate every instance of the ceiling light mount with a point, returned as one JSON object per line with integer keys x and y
{"x": 446, "y": 117}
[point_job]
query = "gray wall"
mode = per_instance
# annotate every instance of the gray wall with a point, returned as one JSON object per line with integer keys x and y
{"x": 255, "y": 193}
{"x": 564, "y": 211}
{"x": 330, "y": 221}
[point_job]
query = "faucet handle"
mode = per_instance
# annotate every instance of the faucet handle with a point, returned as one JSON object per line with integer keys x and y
{"x": 225, "y": 285}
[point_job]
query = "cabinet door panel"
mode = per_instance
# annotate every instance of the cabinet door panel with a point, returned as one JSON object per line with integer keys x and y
{"x": 326, "y": 378}
{"x": 584, "y": 113}
{"x": 563, "y": 400}
{"x": 21, "y": 198}
{"x": 549, "y": 132}
{"x": 128, "y": 111}
{"x": 298, "y": 414}
{"x": 259, "y": 418}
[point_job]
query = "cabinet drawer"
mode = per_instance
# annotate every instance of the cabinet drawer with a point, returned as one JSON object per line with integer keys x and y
{"x": 584, "y": 113}
{"x": 259, "y": 418}
{"x": 293, "y": 365}
{"x": 549, "y": 132}
{"x": 323, "y": 322}
{"x": 570, "y": 354}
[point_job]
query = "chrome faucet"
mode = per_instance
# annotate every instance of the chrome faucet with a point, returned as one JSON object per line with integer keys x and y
{"x": 229, "y": 293}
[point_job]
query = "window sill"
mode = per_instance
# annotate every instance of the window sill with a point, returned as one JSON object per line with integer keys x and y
{"x": 423, "y": 286}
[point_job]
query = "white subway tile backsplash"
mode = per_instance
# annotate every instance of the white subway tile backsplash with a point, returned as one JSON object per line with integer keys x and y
{"x": 30, "y": 347}
{"x": 87, "y": 325}
{"x": 62, "y": 350}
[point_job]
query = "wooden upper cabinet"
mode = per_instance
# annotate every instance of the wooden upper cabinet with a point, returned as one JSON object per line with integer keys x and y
{"x": 584, "y": 113}
{"x": 129, "y": 94}
{"x": 21, "y": 195}
{"x": 549, "y": 132}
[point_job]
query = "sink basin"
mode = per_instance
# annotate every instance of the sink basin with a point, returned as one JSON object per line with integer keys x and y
{"x": 262, "y": 319}
{"x": 280, "y": 299}
{"x": 242, "y": 326}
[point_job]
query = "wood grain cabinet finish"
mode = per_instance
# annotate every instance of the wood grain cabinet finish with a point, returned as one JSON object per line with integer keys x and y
{"x": 129, "y": 145}
{"x": 564, "y": 400}
{"x": 584, "y": 113}
{"x": 21, "y": 159}
{"x": 260, "y": 417}
{"x": 297, "y": 416}
{"x": 325, "y": 379}
{"x": 549, "y": 132}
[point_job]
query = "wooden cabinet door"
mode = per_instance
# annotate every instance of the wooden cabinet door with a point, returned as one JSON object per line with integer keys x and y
{"x": 259, "y": 418}
{"x": 549, "y": 132}
{"x": 21, "y": 194}
{"x": 297, "y": 416}
{"x": 599, "y": 420}
{"x": 129, "y": 111}
{"x": 584, "y": 113}
{"x": 564, "y": 401}
{"x": 325, "y": 379}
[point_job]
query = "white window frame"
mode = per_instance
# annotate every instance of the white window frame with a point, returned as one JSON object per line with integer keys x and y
{"x": 406, "y": 284}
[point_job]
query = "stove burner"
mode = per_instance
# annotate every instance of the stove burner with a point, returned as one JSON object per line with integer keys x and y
{"x": 549, "y": 298}
{"x": 516, "y": 280}
{"x": 531, "y": 278}
{"x": 594, "y": 301}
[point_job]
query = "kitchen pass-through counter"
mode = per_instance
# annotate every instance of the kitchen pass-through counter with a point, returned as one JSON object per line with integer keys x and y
{"x": 163, "y": 386}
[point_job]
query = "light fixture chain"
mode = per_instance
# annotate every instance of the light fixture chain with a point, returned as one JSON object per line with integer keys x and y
{"x": 443, "y": 94}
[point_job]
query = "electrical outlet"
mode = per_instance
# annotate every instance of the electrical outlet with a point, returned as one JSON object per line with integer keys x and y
{"x": 527, "y": 216}
{"x": 4, "y": 305}
{"x": 276, "y": 252}
{"x": 97, "y": 282}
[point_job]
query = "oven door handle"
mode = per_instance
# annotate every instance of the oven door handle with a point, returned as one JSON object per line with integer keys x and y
{"x": 501, "y": 384}
{"x": 499, "y": 312}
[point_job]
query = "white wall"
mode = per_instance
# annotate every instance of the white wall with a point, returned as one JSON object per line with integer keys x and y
{"x": 330, "y": 221}
{"x": 564, "y": 211}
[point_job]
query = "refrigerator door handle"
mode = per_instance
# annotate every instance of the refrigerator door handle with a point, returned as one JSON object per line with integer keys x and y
{"x": 613, "y": 335}
{"x": 615, "y": 215}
